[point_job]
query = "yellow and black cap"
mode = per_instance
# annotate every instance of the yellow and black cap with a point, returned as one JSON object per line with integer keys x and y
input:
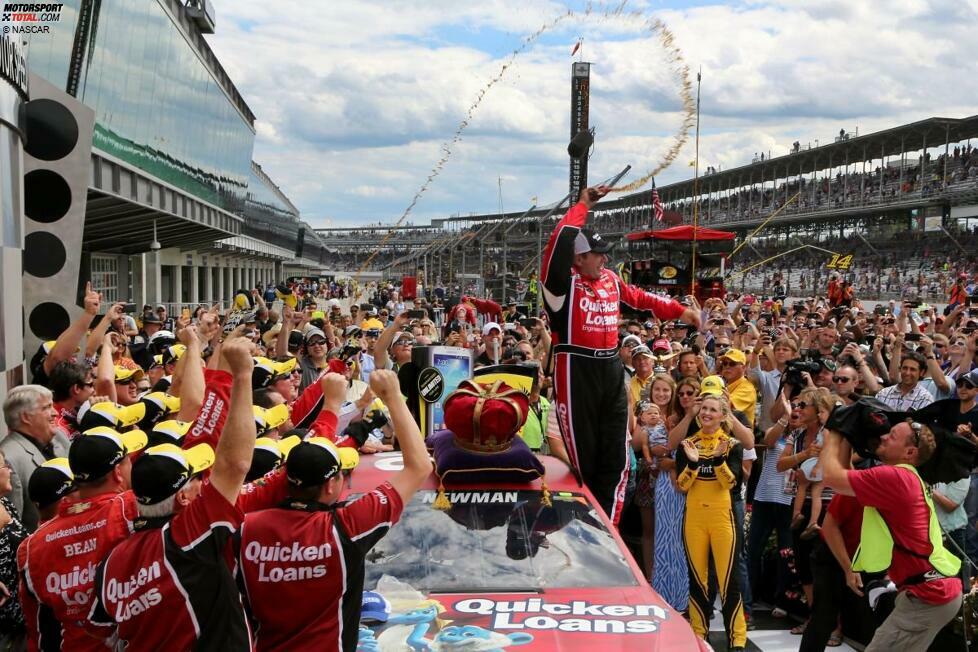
{"x": 161, "y": 471}
{"x": 316, "y": 460}
{"x": 97, "y": 451}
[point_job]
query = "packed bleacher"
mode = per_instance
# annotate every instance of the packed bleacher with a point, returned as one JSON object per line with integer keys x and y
{"x": 854, "y": 189}
{"x": 909, "y": 263}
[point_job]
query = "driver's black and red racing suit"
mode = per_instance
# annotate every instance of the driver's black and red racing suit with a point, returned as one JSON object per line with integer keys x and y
{"x": 592, "y": 408}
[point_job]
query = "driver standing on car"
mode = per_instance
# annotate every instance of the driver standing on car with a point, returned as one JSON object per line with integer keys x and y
{"x": 583, "y": 303}
{"x": 308, "y": 553}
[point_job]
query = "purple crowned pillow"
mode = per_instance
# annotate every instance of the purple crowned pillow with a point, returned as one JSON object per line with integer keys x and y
{"x": 456, "y": 466}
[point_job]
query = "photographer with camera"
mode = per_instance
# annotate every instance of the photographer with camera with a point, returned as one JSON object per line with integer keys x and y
{"x": 797, "y": 376}
{"x": 900, "y": 534}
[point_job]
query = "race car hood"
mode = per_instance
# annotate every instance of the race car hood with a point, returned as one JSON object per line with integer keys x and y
{"x": 633, "y": 618}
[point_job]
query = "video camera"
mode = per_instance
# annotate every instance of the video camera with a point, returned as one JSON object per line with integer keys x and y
{"x": 795, "y": 368}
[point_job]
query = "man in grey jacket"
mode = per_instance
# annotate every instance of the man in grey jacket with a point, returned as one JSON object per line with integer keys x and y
{"x": 31, "y": 440}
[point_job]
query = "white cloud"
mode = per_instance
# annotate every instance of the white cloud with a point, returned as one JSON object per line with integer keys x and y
{"x": 355, "y": 99}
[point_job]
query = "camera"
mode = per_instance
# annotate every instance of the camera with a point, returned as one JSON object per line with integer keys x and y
{"x": 795, "y": 368}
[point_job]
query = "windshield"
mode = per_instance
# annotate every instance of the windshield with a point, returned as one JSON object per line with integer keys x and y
{"x": 499, "y": 541}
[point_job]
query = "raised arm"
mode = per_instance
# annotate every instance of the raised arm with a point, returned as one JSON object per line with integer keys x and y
{"x": 237, "y": 443}
{"x": 192, "y": 388}
{"x": 105, "y": 371}
{"x": 417, "y": 463}
{"x": 383, "y": 344}
{"x": 558, "y": 257}
{"x": 834, "y": 471}
{"x": 933, "y": 366}
{"x": 98, "y": 333}
{"x": 71, "y": 337}
{"x": 896, "y": 358}
{"x": 282, "y": 341}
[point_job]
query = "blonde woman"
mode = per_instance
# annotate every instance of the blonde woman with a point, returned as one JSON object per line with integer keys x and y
{"x": 709, "y": 465}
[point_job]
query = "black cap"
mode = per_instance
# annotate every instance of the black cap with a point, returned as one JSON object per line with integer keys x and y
{"x": 316, "y": 460}
{"x": 151, "y": 318}
{"x": 295, "y": 340}
{"x": 588, "y": 240}
{"x": 51, "y": 482}
{"x": 97, "y": 451}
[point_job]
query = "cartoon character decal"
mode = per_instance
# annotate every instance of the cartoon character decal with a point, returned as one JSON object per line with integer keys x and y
{"x": 471, "y": 638}
{"x": 406, "y": 632}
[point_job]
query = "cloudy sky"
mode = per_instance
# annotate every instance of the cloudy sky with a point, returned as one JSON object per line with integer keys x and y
{"x": 354, "y": 99}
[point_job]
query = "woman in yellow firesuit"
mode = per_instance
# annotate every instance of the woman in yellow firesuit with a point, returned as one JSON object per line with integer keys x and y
{"x": 709, "y": 465}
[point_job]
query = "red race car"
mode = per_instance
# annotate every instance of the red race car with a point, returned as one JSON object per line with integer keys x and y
{"x": 500, "y": 569}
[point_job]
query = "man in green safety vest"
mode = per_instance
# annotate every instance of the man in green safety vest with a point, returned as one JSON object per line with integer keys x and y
{"x": 900, "y": 533}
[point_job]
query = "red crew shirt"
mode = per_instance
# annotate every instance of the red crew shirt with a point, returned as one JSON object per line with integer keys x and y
{"x": 896, "y": 493}
{"x": 57, "y": 566}
{"x": 58, "y": 562}
{"x": 311, "y": 557}
{"x": 170, "y": 587}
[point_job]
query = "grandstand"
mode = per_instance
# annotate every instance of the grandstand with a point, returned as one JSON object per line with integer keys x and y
{"x": 869, "y": 195}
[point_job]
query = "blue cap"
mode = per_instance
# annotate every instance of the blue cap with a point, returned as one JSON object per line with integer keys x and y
{"x": 374, "y": 608}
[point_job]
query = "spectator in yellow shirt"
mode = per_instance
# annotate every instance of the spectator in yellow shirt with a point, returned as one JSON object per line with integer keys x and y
{"x": 743, "y": 395}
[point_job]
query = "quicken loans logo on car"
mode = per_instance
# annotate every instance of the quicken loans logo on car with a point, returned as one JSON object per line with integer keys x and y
{"x": 573, "y": 616}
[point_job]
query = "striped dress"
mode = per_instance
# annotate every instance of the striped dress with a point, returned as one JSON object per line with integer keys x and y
{"x": 670, "y": 577}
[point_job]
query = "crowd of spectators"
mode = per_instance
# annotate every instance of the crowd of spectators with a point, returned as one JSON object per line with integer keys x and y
{"x": 907, "y": 264}
{"x": 926, "y": 176}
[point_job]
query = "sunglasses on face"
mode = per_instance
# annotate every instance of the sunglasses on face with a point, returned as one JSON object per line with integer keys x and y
{"x": 964, "y": 384}
{"x": 128, "y": 381}
{"x": 317, "y": 343}
{"x": 687, "y": 393}
{"x": 841, "y": 379}
{"x": 800, "y": 405}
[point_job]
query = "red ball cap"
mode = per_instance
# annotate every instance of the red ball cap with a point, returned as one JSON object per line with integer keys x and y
{"x": 485, "y": 418}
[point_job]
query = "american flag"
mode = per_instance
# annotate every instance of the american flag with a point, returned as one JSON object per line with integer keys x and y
{"x": 656, "y": 203}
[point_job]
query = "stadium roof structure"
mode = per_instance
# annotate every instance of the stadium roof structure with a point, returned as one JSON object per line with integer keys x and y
{"x": 881, "y": 144}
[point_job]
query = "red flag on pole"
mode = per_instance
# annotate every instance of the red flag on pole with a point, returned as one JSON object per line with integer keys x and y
{"x": 577, "y": 46}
